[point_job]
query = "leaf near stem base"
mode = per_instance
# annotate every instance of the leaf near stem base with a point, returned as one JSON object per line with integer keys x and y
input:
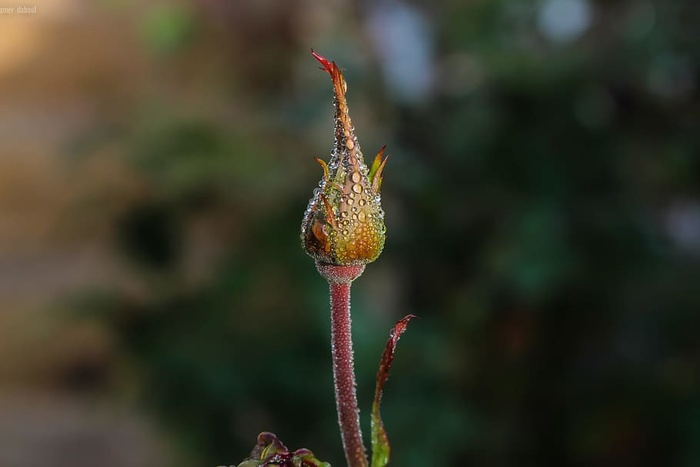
{"x": 380, "y": 440}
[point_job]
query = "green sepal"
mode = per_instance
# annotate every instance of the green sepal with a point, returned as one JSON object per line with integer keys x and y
{"x": 375, "y": 170}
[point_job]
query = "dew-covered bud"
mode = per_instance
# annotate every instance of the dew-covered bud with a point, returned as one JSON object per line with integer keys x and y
{"x": 344, "y": 221}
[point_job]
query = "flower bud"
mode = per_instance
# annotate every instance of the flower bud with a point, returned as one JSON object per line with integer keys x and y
{"x": 344, "y": 221}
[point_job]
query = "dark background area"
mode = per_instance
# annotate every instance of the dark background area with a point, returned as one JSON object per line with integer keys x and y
{"x": 542, "y": 202}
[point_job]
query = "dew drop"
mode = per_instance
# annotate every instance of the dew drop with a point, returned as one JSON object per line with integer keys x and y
{"x": 350, "y": 200}
{"x": 362, "y": 216}
{"x": 357, "y": 188}
{"x": 350, "y": 144}
{"x": 362, "y": 202}
{"x": 354, "y": 209}
{"x": 356, "y": 177}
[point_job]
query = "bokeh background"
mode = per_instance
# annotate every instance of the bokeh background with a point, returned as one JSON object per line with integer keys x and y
{"x": 543, "y": 212}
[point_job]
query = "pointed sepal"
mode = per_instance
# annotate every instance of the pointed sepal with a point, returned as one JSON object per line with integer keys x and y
{"x": 327, "y": 64}
{"x": 324, "y": 166}
{"x": 376, "y": 169}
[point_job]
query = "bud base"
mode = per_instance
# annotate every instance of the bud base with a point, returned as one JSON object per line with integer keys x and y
{"x": 344, "y": 274}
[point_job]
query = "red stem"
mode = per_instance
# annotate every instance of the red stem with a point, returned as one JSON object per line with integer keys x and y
{"x": 344, "y": 375}
{"x": 339, "y": 279}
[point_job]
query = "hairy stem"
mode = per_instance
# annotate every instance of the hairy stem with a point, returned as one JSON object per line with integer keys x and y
{"x": 339, "y": 280}
{"x": 344, "y": 375}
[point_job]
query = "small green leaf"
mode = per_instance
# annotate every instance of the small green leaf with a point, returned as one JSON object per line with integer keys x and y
{"x": 380, "y": 440}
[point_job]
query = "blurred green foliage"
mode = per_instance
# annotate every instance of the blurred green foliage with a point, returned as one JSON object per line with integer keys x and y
{"x": 166, "y": 28}
{"x": 527, "y": 207}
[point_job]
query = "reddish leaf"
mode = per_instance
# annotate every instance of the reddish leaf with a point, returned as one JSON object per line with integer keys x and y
{"x": 380, "y": 440}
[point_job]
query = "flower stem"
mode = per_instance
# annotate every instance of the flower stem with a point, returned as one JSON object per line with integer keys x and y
{"x": 339, "y": 280}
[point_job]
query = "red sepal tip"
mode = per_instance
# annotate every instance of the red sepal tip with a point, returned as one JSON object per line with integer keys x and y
{"x": 327, "y": 65}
